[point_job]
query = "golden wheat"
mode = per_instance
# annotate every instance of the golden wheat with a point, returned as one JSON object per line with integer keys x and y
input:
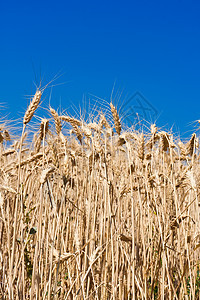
{"x": 57, "y": 121}
{"x": 98, "y": 214}
{"x": 44, "y": 127}
{"x": 73, "y": 121}
{"x": 116, "y": 119}
{"x": 32, "y": 107}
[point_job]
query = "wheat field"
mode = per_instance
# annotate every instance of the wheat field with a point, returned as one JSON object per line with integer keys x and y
{"x": 90, "y": 210}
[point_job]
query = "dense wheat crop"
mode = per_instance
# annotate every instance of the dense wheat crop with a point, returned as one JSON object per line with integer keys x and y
{"x": 94, "y": 211}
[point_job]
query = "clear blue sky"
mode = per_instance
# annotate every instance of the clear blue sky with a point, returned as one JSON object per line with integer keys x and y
{"x": 148, "y": 46}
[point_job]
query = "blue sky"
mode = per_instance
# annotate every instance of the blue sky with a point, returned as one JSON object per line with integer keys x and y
{"x": 152, "y": 47}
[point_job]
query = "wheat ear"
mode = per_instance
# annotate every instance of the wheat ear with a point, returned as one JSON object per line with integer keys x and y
{"x": 104, "y": 122}
{"x": 57, "y": 121}
{"x": 70, "y": 120}
{"x": 116, "y": 119}
{"x": 77, "y": 132}
{"x": 44, "y": 126}
{"x": 6, "y": 135}
{"x": 164, "y": 140}
{"x": 141, "y": 145}
{"x": 190, "y": 146}
{"x": 183, "y": 149}
{"x": 75, "y": 124}
{"x": 32, "y": 107}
